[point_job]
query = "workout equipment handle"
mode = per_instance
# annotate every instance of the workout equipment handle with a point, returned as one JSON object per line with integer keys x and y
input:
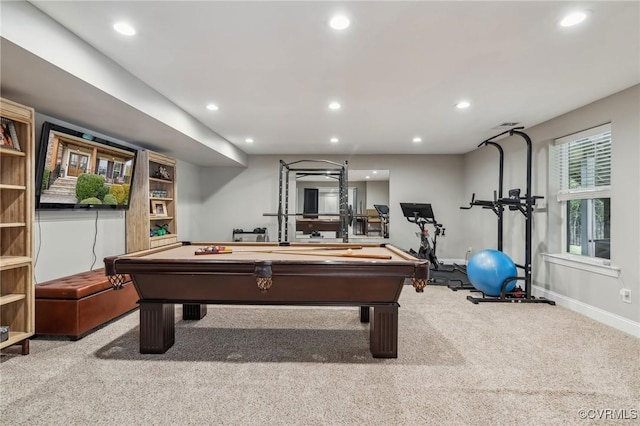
{"x": 473, "y": 197}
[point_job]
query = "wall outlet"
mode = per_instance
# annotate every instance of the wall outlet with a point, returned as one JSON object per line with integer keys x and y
{"x": 626, "y": 295}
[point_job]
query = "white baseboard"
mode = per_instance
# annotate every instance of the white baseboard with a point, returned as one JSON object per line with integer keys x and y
{"x": 600, "y": 315}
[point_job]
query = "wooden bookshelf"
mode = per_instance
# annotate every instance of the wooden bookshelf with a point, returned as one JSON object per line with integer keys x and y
{"x": 17, "y": 182}
{"x": 148, "y": 192}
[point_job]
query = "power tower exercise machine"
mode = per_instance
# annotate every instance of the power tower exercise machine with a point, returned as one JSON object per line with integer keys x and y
{"x": 515, "y": 202}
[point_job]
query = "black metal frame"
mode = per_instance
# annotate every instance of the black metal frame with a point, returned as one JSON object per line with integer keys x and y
{"x": 494, "y": 206}
{"x": 497, "y": 208}
{"x": 422, "y": 214}
{"x": 525, "y": 205}
{"x": 340, "y": 172}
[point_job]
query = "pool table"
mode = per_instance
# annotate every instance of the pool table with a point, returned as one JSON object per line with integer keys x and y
{"x": 307, "y": 225}
{"x": 340, "y": 274}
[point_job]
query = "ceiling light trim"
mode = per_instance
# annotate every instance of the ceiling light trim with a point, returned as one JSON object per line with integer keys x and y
{"x": 124, "y": 28}
{"x": 339, "y": 22}
{"x": 573, "y": 18}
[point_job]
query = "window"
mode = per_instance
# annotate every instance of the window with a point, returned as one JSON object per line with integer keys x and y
{"x": 118, "y": 169}
{"x": 102, "y": 167}
{"x": 584, "y": 172}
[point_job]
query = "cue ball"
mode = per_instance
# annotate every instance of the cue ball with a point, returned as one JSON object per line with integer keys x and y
{"x": 349, "y": 251}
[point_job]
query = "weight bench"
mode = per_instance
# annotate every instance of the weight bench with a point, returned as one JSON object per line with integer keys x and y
{"x": 75, "y": 305}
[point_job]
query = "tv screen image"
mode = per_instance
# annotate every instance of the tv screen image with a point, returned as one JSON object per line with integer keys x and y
{"x": 76, "y": 170}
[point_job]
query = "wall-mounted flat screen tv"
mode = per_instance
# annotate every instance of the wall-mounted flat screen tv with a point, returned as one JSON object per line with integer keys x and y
{"x": 76, "y": 170}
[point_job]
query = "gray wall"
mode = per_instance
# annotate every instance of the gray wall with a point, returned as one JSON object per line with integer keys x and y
{"x": 377, "y": 193}
{"x": 239, "y": 197}
{"x": 64, "y": 241}
{"x": 589, "y": 292}
{"x": 189, "y": 200}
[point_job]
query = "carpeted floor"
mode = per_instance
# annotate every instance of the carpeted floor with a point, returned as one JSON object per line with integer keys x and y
{"x": 458, "y": 364}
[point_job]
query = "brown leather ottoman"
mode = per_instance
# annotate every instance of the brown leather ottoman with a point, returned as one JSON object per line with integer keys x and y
{"x": 74, "y": 305}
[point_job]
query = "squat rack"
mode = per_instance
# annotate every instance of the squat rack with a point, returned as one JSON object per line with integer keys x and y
{"x": 334, "y": 171}
{"x": 525, "y": 205}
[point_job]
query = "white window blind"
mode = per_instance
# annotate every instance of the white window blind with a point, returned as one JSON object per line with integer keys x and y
{"x": 584, "y": 164}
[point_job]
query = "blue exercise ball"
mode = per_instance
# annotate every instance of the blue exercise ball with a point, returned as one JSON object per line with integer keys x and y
{"x": 488, "y": 269}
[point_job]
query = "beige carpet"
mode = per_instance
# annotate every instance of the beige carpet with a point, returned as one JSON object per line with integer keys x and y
{"x": 458, "y": 363}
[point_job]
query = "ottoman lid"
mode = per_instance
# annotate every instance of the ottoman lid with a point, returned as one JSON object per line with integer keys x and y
{"x": 74, "y": 286}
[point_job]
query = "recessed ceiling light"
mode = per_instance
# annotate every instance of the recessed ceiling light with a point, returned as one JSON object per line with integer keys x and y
{"x": 334, "y": 105}
{"x": 367, "y": 177}
{"x": 417, "y": 139}
{"x": 334, "y": 140}
{"x": 463, "y": 105}
{"x": 248, "y": 140}
{"x": 124, "y": 28}
{"x": 574, "y": 18}
{"x": 375, "y": 171}
{"x": 212, "y": 107}
{"x": 339, "y": 22}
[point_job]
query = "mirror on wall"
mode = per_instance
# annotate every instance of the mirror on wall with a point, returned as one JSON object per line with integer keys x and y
{"x": 318, "y": 200}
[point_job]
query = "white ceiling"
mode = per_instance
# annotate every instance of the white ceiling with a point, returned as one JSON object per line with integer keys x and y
{"x": 398, "y": 70}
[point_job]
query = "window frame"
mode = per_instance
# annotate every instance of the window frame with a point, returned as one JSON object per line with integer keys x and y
{"x": 564, "y": 195}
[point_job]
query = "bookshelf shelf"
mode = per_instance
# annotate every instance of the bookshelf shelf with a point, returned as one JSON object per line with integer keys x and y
{"x": 16, "y": 222}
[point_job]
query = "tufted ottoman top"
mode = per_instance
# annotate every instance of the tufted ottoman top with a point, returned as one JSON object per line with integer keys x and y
{"x": 74, "y": 286}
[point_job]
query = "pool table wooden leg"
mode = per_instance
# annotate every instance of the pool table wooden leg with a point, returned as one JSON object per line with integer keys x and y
{"x": 193, "y": 311}
{"x": 157, "y": 327}
{"x": 364, "y": 313}
{"x": 383, "y": 332}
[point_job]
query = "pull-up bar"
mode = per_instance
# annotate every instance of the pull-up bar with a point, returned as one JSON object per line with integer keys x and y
{"x": 510, "y": 131}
